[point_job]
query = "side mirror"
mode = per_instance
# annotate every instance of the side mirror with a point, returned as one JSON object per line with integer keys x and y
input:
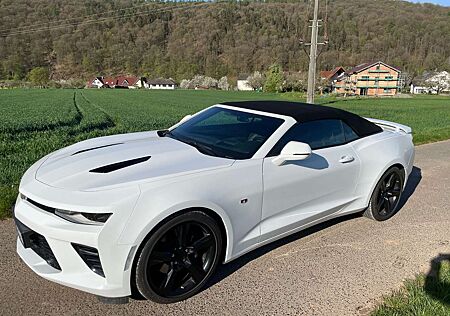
{"x": 293, "y": 151}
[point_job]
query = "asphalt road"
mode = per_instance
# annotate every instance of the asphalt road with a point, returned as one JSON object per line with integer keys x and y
{"x": 340, "y": 268}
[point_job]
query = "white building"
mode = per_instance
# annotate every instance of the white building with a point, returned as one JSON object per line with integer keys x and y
{"x": 242, "y": 83}
{"x": 97, "y": 82}
{"x": 433, "y": 83}
{"x": 160, "y": 83}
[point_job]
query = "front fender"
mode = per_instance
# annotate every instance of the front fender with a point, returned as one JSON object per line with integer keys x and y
{"x": 136, "y": 235}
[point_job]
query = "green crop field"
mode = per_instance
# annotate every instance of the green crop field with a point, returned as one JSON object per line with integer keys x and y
{"x": 36, "y": 122}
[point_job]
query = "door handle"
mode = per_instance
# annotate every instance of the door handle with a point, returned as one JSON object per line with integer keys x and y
{"x": 346, "y": 159}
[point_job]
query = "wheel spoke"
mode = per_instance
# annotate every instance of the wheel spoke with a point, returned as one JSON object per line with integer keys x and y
{"x": 389, "y": 181}
{"x": 169, "y": 282}
{"x": 394, "y": 192}
{"x": 181, "y": 232}
{"x": 195, "y": 271}
{"x": 158, "y": 257}
{"x": 202, "y": 243}
{"x": 387, "y": 205}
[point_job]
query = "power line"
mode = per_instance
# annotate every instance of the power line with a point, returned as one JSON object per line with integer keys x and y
{"x": 23, "y": 28}
{"x": 108, "y": 19}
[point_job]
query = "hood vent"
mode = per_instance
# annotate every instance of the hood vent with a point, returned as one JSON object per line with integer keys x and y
{"x": 119, "y": 165}
{"x": 93, "y": 148}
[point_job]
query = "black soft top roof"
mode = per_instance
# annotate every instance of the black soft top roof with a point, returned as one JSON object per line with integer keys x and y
{"x": 304, "y": 112}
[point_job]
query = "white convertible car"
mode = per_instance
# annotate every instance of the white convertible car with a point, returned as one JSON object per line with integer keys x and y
{"x": 154, "y": 213}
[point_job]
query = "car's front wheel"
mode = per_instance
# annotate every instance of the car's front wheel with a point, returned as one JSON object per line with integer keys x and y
{"x": 178, "y": 258}
{"x": 386, "y": 196}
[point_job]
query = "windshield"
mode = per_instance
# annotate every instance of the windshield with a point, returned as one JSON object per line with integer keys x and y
{"x": 226, "y": 133}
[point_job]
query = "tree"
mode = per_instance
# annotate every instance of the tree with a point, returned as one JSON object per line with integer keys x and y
{"x": 256, "y": 80}
{"x": 39, "y": 76}
{"x": 223, "y": 83}
{"x": 274, "y": 81}
{"x": 295, "y": 82}
{"x": 440, "y": 82}
{"x": 185, "y": 84}
{"x": 209, "y": 83}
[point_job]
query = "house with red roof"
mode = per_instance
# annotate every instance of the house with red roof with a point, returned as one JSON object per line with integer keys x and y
{"x": 332, "y": 75}
{"x": 119, "y": 82}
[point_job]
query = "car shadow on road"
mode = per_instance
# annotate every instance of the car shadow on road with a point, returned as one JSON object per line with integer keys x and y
{"x": 226, "y": 270}
{"x": 437, "y": 282}
{"x": 413, "y": 182}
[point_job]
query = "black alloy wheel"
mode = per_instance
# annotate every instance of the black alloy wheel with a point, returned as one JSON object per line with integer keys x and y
{"x": 178, "y": 258}
{"x": 386, "y": 196}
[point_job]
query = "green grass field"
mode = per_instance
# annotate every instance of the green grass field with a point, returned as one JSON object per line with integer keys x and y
{"x": 427, "y": 295}
{"x": 35, "y": 122}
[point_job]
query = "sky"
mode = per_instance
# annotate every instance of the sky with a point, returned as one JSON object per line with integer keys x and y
{"x": 441, "y": 2}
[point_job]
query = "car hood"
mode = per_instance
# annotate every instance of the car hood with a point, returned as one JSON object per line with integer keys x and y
{"x": 107, "y": 162}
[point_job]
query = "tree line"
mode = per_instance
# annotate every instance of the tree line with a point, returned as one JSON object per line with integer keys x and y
{"x": 215, "y": 40}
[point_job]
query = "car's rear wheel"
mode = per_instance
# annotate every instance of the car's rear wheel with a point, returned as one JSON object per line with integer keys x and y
{"x": 178, "y": 258}
{"x": 386, "y": 196}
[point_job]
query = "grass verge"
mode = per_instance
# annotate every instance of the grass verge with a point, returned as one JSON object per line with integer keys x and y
{"x": 427, "y": 295}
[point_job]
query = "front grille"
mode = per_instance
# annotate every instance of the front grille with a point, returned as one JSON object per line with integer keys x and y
{"x": 90, "y": 257}
{"x": 37, "y": 243}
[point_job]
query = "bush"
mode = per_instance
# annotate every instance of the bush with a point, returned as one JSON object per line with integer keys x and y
{"x": 274, "y": 81}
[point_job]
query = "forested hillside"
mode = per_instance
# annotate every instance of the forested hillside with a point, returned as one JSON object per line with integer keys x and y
{"x": 215, "y": 38}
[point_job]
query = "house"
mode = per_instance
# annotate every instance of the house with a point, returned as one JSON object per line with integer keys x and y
{"x": 372, "y": 79}
{"x": 160, "y": 83}
{"x": 242, "y": 83}
{"x": 330, "y": 77}
{"x": 120, "y": 82}
{"x": 125, "y": 82}
{"x": 431, "y": 83}
{"x": 97, "y": 82}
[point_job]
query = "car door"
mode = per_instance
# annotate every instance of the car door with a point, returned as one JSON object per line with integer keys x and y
{"x": 300, "y": 192}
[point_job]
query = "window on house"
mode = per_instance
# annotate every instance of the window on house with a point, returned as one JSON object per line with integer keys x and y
{"x": 389, "y": 77}
{"x": 365, "y": 77}
{"x": 387, "y": 90}
{"x": 378, "y": 67}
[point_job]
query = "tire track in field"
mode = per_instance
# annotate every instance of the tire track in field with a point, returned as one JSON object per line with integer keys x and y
{"x": 77, "y": 108}
{"x": 100, "y": 120}
{"x": 108, "y": 117}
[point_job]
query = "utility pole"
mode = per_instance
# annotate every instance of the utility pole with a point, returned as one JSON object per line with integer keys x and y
{"x": 313, "y": 55}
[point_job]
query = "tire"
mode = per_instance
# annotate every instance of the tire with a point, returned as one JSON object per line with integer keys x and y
{"x": 179, "y": 258}
{"x": 386, "y": 195}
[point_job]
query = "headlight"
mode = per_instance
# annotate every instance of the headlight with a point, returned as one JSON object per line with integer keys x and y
{"x": 83, "y": 218}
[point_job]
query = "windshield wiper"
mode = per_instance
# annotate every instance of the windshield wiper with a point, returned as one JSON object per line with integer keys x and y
{"x": 205, "y": 149}
{"x": 163, "y": 132}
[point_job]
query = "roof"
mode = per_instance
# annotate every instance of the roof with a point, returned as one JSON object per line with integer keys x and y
{"x": 126, "y": 80}
{"x": 328, "y": 74}
{"x": 363, "y": 66}
{"x": 160, "y": 81}
{"x": 304, "y": 112}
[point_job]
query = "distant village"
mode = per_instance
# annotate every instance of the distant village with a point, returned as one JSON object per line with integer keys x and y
{"x": 130, "y": 82}
{"x": 367, "y": 79}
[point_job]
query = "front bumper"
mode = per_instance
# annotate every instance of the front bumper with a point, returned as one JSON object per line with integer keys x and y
{"x": 60, "y": 235}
